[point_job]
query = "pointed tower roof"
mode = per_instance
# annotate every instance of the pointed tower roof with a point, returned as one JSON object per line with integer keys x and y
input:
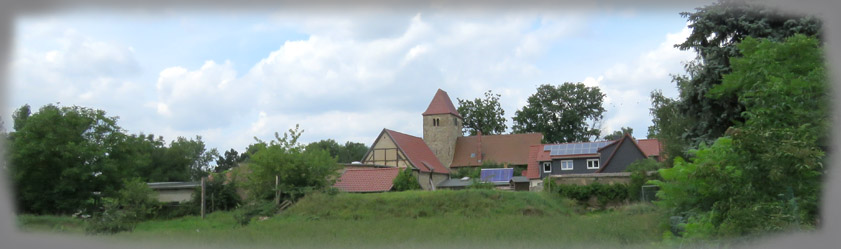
{"x": 441, "y": 104}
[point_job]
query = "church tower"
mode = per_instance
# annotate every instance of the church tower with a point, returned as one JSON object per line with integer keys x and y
{"x": 442, "y": 125}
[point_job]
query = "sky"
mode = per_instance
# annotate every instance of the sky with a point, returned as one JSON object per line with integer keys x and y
{"x": 230, "y": 77}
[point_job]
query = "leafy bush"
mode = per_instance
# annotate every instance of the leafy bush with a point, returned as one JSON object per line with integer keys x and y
{"x": 478, "y": 184}
{"x": 244, "y": 214}
{"x": 174, "y": 210}
{"x": 405, "y": 181}
{"x": 218, "y": 195}
{"x": 300, "y": 171}
{"x": 604, "y": 194}
{"x": 134, "y": 203}
{"x": 639, "y": 176}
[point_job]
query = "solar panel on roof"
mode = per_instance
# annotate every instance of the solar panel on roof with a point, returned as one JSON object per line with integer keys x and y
{"x": 497, "y": 175}
{"x": 574, "y": 149}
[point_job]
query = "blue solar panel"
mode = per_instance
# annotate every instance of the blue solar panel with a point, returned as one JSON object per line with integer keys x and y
{"x": 575, "y": 148}
{"x": 497, "y": 175}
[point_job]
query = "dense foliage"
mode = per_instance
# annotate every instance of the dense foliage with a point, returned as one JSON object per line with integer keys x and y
{"x": 346, "y": 153}
{"x": 298, "y": 170}
{"x": 218, "y": 194}
{"x": 483, "y": 115}
{"x": 134, "y": 203}
{"x": 231, "y": 159}
{"x": 59, "y": 156}
{"x": 561, "y": 113}
{"x": 79, "y": 151}
{"x": 639, "y": 176}
{"x": 693, "y": 118}
{"x": 725, "y": 190}
{"x": 604, "y": 194}
{"x": 716, "y": 29}
{"x": 405, "y": 181}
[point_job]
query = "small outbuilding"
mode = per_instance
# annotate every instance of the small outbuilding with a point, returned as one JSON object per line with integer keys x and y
{"x": 174, "y": 191}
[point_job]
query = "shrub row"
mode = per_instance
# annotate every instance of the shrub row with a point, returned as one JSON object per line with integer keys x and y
{"x": 603, "y": 193}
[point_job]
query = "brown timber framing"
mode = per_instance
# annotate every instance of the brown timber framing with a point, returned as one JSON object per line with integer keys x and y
{"x": 372, "y": 152}
{"x": 385, "y": 160}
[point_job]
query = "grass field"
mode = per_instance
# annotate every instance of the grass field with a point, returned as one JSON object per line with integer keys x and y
{"x": 440, "y": 219}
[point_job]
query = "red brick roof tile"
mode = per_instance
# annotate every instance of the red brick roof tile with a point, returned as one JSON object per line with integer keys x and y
{"x": 367, "y": 179}
{"x": 511, "y": 148}
{"x": 536, "y": 154}
{"x": 417, "y": 152}
{"x": 441, "y": 104}
{"x": 651, "y": 147}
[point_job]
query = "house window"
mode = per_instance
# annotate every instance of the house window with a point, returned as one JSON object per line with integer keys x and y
{"x": 472, "y": 155}
{"x": 434, "y": 122}
{"x": 547, "y": 167}
{"x": 592, "y": 163}
{"x": 566, "y": 165}
{"x": 455, "y": 122}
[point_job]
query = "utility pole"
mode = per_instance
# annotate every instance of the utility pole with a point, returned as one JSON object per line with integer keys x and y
{"x": 276, "y": 190}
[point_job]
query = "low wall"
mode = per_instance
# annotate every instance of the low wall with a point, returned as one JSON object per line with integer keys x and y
{"x": 586, "y": 179}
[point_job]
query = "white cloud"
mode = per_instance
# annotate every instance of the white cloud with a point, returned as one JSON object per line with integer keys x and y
{"x": 627, "y": 85}
{"x": 209, "y": 97}
{"x": 352, "y": 75}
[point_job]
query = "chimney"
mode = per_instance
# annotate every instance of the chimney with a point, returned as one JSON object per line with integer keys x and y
{"x": 479, "y": 145}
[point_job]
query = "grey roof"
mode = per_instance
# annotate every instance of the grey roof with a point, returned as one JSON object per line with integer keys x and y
{"x": 520, "y": 179}
{"x": 173, "y": 185}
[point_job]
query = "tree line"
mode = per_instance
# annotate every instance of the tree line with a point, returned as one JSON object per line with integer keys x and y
{"x": 62, "y": 158}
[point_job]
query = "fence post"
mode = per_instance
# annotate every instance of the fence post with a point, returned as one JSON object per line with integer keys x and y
{"x": 202, "y": 198}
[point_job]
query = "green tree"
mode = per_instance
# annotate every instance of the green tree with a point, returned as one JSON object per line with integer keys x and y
{"x": 483, "y": 115}
{"x": 229, "y": 161}
{"x": 716, "y": 29}
{"x": 191, "y": 155}
{"x": 668, "y": 126}
{"x": 724, "y": 190}
{"x": 405, "y": 181}
{"x": 562, "y": 113}
{"x": 352, "y": 151}
{"x": 346, "y": 153}
{"x": 298, "y": 170}
{"x": 618, "y": 134}
{"x": 60, "y": 156}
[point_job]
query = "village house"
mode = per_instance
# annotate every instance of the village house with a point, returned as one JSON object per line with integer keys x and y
{"x": 444, "y": 148}
{"x": 587, "y": 162}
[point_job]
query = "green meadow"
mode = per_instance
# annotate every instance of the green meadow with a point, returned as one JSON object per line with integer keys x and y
{"x": 412, "y": 219}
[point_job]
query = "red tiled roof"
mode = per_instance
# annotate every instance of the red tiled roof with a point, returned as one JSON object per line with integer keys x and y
{"x": 651, "y": 147}
{"x": 417, "y": 152}
{"x": 536, "y": 154}
{"x": 441, "y": 104}
{"x": 367, "y": 179}
{"x": 511, "y": 148}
